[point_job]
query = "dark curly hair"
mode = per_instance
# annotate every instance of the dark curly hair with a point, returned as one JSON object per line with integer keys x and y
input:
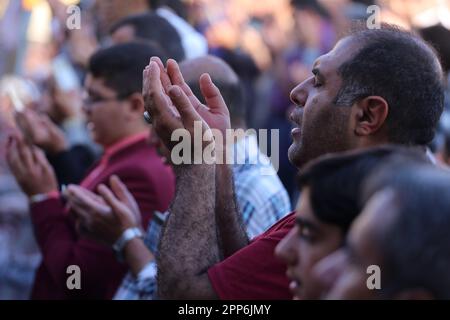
{"x": 403, "y": 69}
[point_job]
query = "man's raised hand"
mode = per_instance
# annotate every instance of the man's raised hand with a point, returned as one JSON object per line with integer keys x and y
{"x": 168, "y": 105}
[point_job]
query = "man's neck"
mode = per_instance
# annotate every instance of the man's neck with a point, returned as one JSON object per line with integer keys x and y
{"x": 129, "y": 134}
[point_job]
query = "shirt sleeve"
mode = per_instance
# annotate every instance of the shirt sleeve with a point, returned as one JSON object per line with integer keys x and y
{"x": 142, "y": 287}
{"x": 254, "y": 272}
{"x": 61, "y": 247}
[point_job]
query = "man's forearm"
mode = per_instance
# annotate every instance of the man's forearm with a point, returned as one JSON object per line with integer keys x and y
{"x": 231, "y": 230}
{"x": 189, "y": 240}
{"x": 137, "y": 255}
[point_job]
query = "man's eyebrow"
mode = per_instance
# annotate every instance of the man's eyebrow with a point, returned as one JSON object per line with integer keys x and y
{"x": 91, "y": 92}
{"x": 301, "y": 222}
{"x": 316, "y": 72}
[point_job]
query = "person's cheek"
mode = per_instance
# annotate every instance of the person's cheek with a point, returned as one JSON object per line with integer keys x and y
{"x": 351, "y": 285}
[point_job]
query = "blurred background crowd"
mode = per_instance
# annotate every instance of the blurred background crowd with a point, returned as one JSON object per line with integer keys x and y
{"x": 270, "y": 44}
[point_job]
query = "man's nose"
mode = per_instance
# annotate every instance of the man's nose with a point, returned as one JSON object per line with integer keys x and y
{"x": 284, "y": 250}
{"x": 299, "y": 94}
{"x": 86, "y": 108}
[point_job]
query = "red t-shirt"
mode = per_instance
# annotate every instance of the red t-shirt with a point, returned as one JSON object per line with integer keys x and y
{"x": 254, "y": 272}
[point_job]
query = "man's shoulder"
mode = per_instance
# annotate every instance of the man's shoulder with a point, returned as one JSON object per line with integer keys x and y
{"x": 142, "y": 151}
{"x": 141, "y": 157}
{"x": 280, "y": 228}
{"x": 253, "y": 272}
{"x": 139, "y": 162}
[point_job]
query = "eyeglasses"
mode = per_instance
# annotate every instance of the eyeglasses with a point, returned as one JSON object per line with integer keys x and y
{"x": 89, "y": 101}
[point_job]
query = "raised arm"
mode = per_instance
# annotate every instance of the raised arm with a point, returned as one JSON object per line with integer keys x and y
{"x": 188, "y": 244}
{"x": 230, "y": 228}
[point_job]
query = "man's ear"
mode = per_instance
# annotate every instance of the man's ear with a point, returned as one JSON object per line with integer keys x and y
{"x": 136, "y": 105}
{"x": 414, "y": 294}
{"x": 370, "y": 115}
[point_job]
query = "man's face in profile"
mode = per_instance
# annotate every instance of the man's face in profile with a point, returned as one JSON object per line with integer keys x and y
{"x": 321, "y": 126}
{"x": 104, "y": 111}
{"x": 347, "y": 269}
{"x": 309, "y": 241}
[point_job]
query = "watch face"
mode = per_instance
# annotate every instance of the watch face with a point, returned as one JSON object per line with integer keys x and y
{"x": 126, "y": 236}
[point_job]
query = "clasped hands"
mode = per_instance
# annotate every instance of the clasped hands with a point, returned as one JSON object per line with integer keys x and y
{"x": 106, "y": 215}
{"x": 103, "y": 217}
{"x": 172, "y": 104}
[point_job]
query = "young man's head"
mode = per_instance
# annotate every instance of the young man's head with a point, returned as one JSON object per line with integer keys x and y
{"x": 149, "y": 27}
{"x": 374, "y": 87}
{"x": 403, "y": 230}
{"x": 114, "y": 104}
{"x": 328, "y": 205}
{"x": 109, "y": 12}
{"x": 224, "y": 78}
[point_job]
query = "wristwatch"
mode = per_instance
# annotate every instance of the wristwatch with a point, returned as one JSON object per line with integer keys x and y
{"x": 126, "y": 236}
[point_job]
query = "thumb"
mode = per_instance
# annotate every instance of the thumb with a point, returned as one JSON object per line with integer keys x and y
{"x": 212, "y": 95}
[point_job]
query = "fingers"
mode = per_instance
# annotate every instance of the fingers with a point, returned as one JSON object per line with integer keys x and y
{"x": 84, "y": 218}
{"x": 111, "y": 200}
{"x": 157, "y": 103}
{"x": 122, "y": 193}
{"x": 88, "y": 193}
{"x": 212, "y": 95}
{"x": 39, "y": 157}
{"x": 80, "y": 209}
{"x": 188, "y": 114}
{"x": 152, "y": 88}
{"x": 165, "y": 116}
{"x": 165, "y": 80}
{"x": 120, "y": 190}
{"x": 45, "y": 120}
{"x": 24, "y": 154}
{"x": 13, "y": 158}
{"x": 25, "y": 124}
{"x": 174, "y": 72}
{"x": 84, "y": 199}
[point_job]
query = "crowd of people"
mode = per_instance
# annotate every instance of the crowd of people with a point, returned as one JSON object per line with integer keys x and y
{"x": 88, "y": 176}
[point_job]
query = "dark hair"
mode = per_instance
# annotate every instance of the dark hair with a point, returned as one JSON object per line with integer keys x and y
{"x": 405, "y": 71}
{"x": 439, "y": 37}
{"x": 121, "y": 65}
{"x": 415, "y": 246}
{"x": 232, "y": 93}
{"x": 178, "y": 6}
{"x": 335, "y": 181}
{"x": 150, "y": 26}
{"x": 313, "y": 5}
{"x": 155, "y": 4}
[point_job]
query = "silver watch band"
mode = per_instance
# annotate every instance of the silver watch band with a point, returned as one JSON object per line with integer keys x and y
{"x": 126, "y": 236}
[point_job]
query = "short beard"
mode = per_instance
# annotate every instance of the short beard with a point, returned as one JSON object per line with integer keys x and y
{"x": 334, "y": 140}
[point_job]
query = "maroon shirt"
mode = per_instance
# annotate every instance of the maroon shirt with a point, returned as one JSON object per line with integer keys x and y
{"x": 254, "y": 272}
{"x": 151, "y": 183}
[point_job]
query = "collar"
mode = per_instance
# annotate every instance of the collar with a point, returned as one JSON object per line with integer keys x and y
{"x": 124, "y": 143}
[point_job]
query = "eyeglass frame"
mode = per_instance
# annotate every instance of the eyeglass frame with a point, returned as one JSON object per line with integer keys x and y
{"x": 88, "y": 102}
